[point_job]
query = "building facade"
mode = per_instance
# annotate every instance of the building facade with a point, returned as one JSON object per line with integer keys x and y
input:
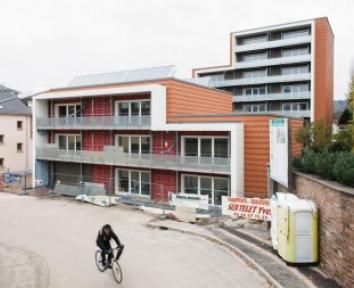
{"x": 284, "y": 69}
{"x": 15, "y": 133}
{"x": 138, "y": 135}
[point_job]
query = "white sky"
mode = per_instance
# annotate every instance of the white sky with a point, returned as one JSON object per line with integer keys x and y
{"x": 46, "y": 43}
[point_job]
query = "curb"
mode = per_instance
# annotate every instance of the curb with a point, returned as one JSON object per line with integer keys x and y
{"x": 234, "y": 250}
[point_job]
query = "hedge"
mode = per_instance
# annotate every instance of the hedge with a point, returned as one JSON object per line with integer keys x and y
{"x": 338, "y": 166}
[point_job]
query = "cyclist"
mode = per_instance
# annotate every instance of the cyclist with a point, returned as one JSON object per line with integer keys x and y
{"x": 103, "y": 242}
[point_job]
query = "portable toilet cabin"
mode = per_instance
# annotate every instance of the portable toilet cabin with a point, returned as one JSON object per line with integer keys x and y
{"x": 275, "y": 204}
{"x": 298, "y": 231}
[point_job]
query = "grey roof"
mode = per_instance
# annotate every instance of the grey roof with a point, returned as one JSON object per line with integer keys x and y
{"x": 203, "y": 81}
{"x": 10, "y": 104}
{"x": 136, "y": 75}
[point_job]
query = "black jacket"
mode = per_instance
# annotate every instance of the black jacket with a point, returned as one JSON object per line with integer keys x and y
{"x": 103, "y": 239}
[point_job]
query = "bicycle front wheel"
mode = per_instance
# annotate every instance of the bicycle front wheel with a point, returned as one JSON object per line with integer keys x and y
{"x": 98, "y": 259}
{"x": 117, "y": 272}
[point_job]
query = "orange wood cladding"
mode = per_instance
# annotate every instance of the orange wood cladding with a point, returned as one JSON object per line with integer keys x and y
{"x": 323, "y": 71}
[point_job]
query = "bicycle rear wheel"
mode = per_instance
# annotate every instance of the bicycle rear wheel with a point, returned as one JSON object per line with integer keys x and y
{"x": 98, "y": 259}
{"x": 117, "y": 272}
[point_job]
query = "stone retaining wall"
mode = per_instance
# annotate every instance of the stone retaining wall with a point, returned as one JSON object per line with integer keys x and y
{"x": 336, "y": 224}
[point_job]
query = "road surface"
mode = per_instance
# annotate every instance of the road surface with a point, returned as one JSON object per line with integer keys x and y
{"x": 51, "y": 243}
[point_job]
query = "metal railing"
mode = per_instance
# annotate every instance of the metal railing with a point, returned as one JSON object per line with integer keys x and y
{"x": 112, "y": 155}
{"x": 273, "y": 61}
{"x": 95, "y": 122}
{"x": 260, "y": 80}
{"x": 299, "y": 113}
{"x": 273, "y": 43}
{"x": 273, "y": 96}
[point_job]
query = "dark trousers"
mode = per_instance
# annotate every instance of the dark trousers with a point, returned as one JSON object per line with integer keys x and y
{"x": 106, "y": 250}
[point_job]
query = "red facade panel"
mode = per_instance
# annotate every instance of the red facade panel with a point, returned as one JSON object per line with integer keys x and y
{"x": 164, "y": 143}
{"x": 163, "y": 182}
{"x": 102, "y": 174}
{"x": 95, "y": 140}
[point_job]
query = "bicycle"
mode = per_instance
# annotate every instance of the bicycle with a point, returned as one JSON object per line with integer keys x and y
{"x": 116, "y": 268}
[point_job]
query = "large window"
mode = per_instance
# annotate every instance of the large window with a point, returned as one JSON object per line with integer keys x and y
{"x": 254, "y": 91}
{"x": 213, "y": 187}
{"x": 133, "y": 182}
{"x": 68, "y": 110}
{"x": 295, "y": 70}
{"x": 254, "y": 39}
{"x": 255, "y": 74}
{"x": 295, "y": 106}
{"x": 133, "y": 108}
{"x": 254, "y": 107}
{"x": 295, "y": 33}
{"x": 69, "y": 141}
{"x": 205, "y": 146}
{"x": 136, "y": 144}
{"x": 255, "y": 57}
{"x": 295, "y": 88}
{"x": 295, "y": 52}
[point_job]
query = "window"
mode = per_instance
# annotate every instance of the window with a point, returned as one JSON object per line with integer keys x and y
{"x": 254, "y": 107}
{"x": 294, "y": 70}
{"x": 255, "y": 74}
{"x": 19, "y": 125}
{"x": 68, "y": 110}
{"x": 133, "y": 108}
{"x": 19, "y": 147}
{"x": 295, "y": 33}
{"x": 2, "y": 162}
{"x": 254, "y": 91}
{"x": 69, "y": 141}
{"x": 214, "y": 187}
{"x": 135, "y": 144}
{"x": 295, "y": 106}
{"x": 254, "y": 39}
{"x": 205, "y": 146}
{"x": 133, "y": 182}
{"x": 296, "y": 88}
{"x": 1, "y": 139}
{"x": 255, "y": 57}
{"x": 295, "y": 52}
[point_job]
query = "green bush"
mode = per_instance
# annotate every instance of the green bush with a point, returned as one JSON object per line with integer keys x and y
{"x": 298, "y": 163}
{"x": 309, "y": 160}
{"x": 344, "y": 169}
{"x": 342, "y": 141}
{"x": 324, "y": 164}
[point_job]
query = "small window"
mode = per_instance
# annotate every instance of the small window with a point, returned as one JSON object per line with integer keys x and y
{"x": 19, "y": 125}
{"x": 19, "y": 147}
{"x": 1, "y": 162}
{"x": 1, "y": 139}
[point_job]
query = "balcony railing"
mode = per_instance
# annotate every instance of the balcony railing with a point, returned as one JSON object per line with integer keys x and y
{"x": 112, "y": 155}
{"x": 274, "y": 61}
{"x": 272, "y": 97}
{"x": 261, "y": 80}
{"x": 299, "y": 113}
{"x": 273, "y": 44}
{"x": 94, "y": 122}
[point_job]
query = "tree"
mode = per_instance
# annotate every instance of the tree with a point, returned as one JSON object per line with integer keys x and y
{"x": 350, "y": 99}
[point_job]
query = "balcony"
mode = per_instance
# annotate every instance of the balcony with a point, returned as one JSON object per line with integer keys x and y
{"x": 260, "y": 80}
{"x": 273, "y": 44}
{"x": 94, "y": 122}
{"x": 112, "y": 155}
{"x": 272, "y": 97}
{"x": 299, "y": 113}
{"x": 274, "y": 61}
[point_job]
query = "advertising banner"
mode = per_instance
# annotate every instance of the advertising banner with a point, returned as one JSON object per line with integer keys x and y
{"x": 279, "y": 150}
{"x": 249, "y": 208}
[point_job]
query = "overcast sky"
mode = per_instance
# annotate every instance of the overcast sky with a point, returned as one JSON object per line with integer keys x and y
{"x": 46, "y": 43}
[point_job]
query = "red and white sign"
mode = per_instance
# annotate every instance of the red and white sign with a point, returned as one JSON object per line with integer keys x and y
{"x": 250, "y": 208}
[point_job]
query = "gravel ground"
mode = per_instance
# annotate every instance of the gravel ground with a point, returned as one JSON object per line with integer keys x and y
{"x": 59, "y": 235}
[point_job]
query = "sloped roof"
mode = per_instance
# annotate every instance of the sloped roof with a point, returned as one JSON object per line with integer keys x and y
{"x": 135, "y": 75}
{"x": 10, "y": 104}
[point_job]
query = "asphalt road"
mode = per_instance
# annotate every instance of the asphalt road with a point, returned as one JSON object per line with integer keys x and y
{"x": 51, "y": 242}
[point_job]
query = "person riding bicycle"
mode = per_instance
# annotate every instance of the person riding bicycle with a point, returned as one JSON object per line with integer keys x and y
{"x": 103, "y": 242}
